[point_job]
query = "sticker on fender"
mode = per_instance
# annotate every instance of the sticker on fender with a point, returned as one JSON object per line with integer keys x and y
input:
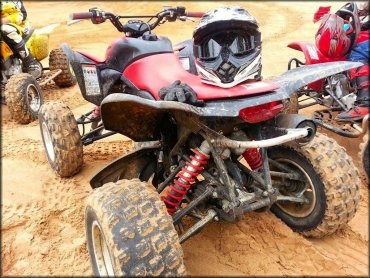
{"x": 91, "y": 80}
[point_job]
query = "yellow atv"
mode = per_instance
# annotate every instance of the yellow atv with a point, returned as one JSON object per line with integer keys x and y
{"x": 23, "y": 93}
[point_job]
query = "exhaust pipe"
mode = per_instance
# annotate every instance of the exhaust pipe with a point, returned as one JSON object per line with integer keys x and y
{"x": 294, "y": 121}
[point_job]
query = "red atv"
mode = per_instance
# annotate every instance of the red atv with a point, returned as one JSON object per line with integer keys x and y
{"x": 193, "y": 165}
{"x": 336, "y": 92}
{"x": 98, "y": 78}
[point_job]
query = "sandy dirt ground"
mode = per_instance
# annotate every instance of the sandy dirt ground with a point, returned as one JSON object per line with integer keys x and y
{"x": 42, "y": 215}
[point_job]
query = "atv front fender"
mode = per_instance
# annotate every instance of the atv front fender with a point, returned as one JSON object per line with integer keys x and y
{"x": 76, "y": 60}
{"x": 68, "y": 51}
{"x": 128, "y": 166}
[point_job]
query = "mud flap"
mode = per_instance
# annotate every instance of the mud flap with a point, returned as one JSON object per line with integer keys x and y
{"x": 128, "y": 166}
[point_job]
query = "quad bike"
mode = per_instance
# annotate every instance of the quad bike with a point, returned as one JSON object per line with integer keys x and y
{"x": 193, "y": 165}
{"x": 23, "y": 93}
{"x": 335, "y": 92}
{"x": 65, "y": 153}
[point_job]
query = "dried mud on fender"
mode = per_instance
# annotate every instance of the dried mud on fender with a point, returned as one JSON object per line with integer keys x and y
{"x": 292, "y": 80}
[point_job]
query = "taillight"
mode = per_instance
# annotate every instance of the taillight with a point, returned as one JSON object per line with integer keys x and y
{"x": 261, "y": 112}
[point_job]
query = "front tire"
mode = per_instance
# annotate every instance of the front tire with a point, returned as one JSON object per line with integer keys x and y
{"x": 332, "y": 190}
{"x": 61, "y": 138}
{"x": 59, "y": 60}
{"x": 129, "y": 232}
{"x": 24, "y": 97}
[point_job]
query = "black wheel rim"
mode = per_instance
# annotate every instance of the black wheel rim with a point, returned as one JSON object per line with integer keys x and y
{"x": 303, "y": 188}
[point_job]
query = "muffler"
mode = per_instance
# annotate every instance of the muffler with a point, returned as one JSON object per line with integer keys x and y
{"x": 294, "y": 121}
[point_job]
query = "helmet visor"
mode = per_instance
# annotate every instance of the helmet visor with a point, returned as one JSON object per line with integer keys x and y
{"x": 209, "y": 50}
{"x": 242, "y": 45}
{"x": 238, "y": 44}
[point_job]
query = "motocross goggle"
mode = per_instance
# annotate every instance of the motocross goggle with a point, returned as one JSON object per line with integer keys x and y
{"x": 235, "y": 43}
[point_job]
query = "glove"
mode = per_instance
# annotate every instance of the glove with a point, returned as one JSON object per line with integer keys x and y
{"x": 98, "y": 16}
{"x": 180, "y": 92}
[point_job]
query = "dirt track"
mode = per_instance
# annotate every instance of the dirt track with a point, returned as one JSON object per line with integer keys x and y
{"x": 42, "y": 215}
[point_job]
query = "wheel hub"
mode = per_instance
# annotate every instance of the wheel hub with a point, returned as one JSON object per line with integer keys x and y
{"x": 303, "y": 188}
{"x": 48, "y": 142}
{"x": 33, "y": 98}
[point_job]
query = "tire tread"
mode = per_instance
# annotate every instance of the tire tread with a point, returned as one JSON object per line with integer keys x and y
{"x": 140, "y": 247}
{"x": 65, "y": 137}
{"x": 58, "y": 60}
{"x": 16, "y": 100}
{"x": 341, "y": 180}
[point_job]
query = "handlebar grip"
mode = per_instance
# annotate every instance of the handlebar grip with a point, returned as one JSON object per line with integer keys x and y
{"x": 194, "y": 14}
{"x": 76, "y": 16}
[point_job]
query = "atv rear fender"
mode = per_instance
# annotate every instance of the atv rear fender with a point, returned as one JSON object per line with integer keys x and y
{"x": 140, "y": 119}
{"x": 311, "y": 56}
{"x": 297, "y": 78}
{"x": 129, "y": 166}
{"x": 309, "y": 50}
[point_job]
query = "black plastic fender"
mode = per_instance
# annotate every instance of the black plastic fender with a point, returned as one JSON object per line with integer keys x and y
{"x": 107, "y": 76}
{"x": 291, "y": 80}
{"x": 127, "y": 113}
{"x": 128, "y": 166}
{"x": 76, "y": 60}
{"x": 68, "y": 51}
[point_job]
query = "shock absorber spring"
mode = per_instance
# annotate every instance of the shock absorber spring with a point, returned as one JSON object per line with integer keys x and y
{"x": 253, "y": 158}
{"x": 186, "y": 177}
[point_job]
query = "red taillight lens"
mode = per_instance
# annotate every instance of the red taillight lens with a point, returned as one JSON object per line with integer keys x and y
{"x": 261, "y": 112}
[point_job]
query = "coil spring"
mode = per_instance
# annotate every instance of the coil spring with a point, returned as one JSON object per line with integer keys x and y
{"x": 184, "y": 180}
{"x": 253, "y": 158}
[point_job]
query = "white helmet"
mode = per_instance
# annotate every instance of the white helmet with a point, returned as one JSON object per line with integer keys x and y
{"x": 227, "y": 47}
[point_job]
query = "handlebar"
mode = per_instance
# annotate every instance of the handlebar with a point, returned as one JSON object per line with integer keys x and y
{"x": 136, "y": 27}
{"x": 76, "y": 16}
{"x": 195, "y": 14}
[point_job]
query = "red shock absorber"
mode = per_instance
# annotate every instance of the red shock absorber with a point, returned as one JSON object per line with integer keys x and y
{"x": 253, "y": 158}
{"x": 184, "y": 179}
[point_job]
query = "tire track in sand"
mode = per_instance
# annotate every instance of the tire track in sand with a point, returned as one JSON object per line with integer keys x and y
{"x": 261, "y": 244}
{"x": 34, "y": 151}
{"x": 51, "y": 230}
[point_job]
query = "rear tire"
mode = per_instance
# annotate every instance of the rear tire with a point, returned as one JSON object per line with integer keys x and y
{"x": 59, "y": 60}
{"x": 24, "y": 97}
{"x": 61, "y": 138}
{"x": 333, "y": 191}
{"x": 129, "y": 232}
{"x": 364, "y": 155}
